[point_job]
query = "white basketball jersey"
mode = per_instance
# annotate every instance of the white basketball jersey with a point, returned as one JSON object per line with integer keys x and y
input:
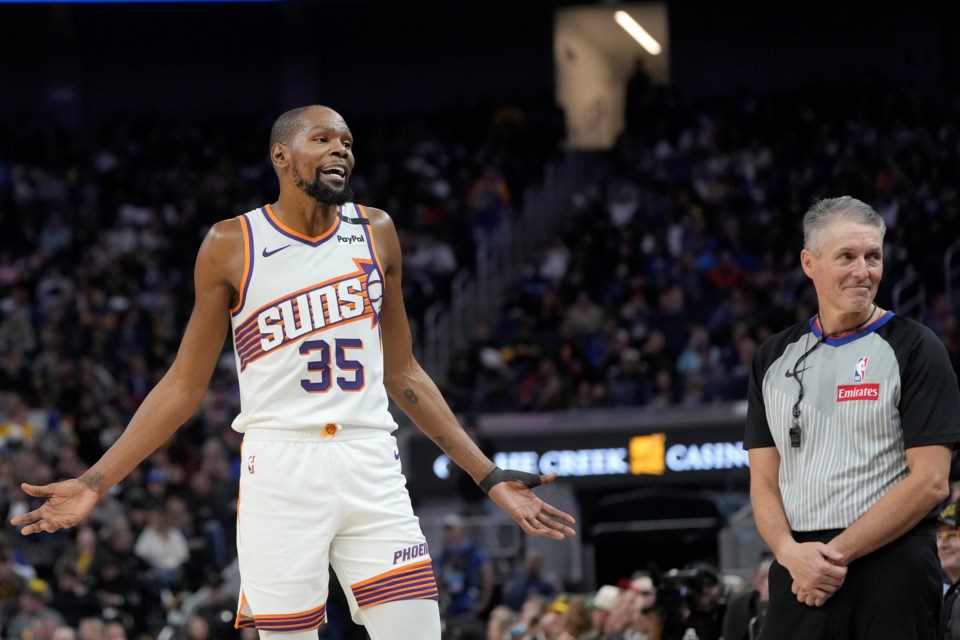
{"x": 306, "y": 331}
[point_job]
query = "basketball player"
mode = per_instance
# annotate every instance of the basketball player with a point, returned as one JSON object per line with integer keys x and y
{"x": 311, "y": 288}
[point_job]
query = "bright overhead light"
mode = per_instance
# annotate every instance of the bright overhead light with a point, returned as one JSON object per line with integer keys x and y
{"x": 637, "y": 32}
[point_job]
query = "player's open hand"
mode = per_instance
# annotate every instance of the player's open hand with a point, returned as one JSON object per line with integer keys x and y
{"x": 67, "y": 503}
{"x": 534, "y": 516}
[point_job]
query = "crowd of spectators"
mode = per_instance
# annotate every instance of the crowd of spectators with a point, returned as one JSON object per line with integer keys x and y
{"x": 532, "y": 603}
{"x": 679, "y": 253}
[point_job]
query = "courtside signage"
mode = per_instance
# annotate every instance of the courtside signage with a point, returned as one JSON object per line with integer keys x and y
{"x": 650, "y": 455}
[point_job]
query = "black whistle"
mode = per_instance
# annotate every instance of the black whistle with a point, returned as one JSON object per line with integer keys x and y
{"x": 795, "y": 436}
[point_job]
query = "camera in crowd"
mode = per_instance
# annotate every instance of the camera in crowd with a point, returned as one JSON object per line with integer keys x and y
{"x": 691, "y": 602}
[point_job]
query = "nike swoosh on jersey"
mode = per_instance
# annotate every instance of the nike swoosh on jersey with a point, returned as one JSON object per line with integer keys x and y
{"x": 267, "y": 254}
{"x": 790, "y": 374}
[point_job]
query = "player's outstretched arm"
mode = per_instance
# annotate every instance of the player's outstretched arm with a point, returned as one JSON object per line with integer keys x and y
{"x": 169, "y": 404}
{"x": 417, "y": 395}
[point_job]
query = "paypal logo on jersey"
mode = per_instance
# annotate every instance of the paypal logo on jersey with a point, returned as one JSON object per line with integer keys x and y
{"x": 860, "y": 371}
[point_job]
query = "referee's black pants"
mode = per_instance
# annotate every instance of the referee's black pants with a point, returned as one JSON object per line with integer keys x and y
{"x": 893, "y": 593}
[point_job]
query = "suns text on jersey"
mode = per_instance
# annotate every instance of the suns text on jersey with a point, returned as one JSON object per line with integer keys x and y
{"x": 348, "y": 298}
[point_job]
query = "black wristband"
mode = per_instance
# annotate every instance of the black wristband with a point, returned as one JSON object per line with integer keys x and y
{"x": 499, "y": 475}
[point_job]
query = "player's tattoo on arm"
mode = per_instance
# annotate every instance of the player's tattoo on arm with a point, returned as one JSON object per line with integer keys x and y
{"x": 446, "y": 448}
{"x": 411, "y": 396}
{"x": 93, "y": 481}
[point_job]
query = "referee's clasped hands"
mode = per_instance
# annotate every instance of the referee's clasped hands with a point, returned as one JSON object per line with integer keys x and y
{"x": 816, "y": 571}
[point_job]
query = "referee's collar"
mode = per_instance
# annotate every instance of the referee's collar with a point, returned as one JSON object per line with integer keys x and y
{"x": 839, "y": 341}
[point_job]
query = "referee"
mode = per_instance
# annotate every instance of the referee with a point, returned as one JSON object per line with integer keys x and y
{"x": 853, "y": 415}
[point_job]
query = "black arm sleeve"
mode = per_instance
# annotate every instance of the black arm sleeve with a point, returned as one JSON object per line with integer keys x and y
{"x": 929, "y": 397}
{"x": 758, "y": 429}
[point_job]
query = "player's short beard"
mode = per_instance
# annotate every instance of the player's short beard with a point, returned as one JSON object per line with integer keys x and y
{"x": 321, "y": 191}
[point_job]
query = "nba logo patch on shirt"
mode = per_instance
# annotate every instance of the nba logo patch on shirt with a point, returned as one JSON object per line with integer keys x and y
{"x": 859, "y": 390}
{"x": 860, "y": 371}
{"x": 250, "y": 462}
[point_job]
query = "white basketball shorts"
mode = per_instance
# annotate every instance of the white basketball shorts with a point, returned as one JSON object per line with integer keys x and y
{"x": 310, "y": 500}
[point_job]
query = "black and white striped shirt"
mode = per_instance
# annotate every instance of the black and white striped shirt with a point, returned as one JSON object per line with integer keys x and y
{"x": 867, "y": 397}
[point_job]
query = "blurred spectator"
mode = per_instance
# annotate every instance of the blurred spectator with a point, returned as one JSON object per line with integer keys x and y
{"x": 80, "y": 556}
{"x": 11, "y": 584}
{"x": 501, "y": 622}
{"x": 214, "y": 604}
{"x": 663, "y": 622}
{"x": 114, "y": 630}
{"x": 118, "y": 582}
{"x": 197, "y": 628}
{"x": 73, "y": 598}
{"x": 600, "y": 605}
{"x": 90, "y": 629}
{"x": 623, "y": 202}
{"x": 215, "y": 519}
{"x": 488, "y": 200}
{"x": 948, "y": 548}
{"x": 163, "y": 547}
{"x": 33, "y": 610}
{"x": 64, "y": 633}
{"x": 743, "y": 619}
{"x": 20, "y": 425}
{"x": 948, "y": 543}
{"x": 576, "y": 619}
{"x": 202, "y": 554}
{"x": 638, "y": 595}
{"x": 528, "y": 626}
{"x": 157, "y": 486}
{"x": 585, "y": 317}
{"x": 618, "y": 619}
{"x": 555, "y": 262}
{"x": 530, "y": 581}
{"x": 552, "y": 620}
{"x": 435, "y": 259}
{"x": 464, "y": 576}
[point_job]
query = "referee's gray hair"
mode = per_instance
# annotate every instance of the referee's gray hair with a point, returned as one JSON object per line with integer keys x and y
{"x": 824, "y": 212}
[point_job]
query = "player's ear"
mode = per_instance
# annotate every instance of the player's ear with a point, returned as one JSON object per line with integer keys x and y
{"x": 279, "y": 154}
